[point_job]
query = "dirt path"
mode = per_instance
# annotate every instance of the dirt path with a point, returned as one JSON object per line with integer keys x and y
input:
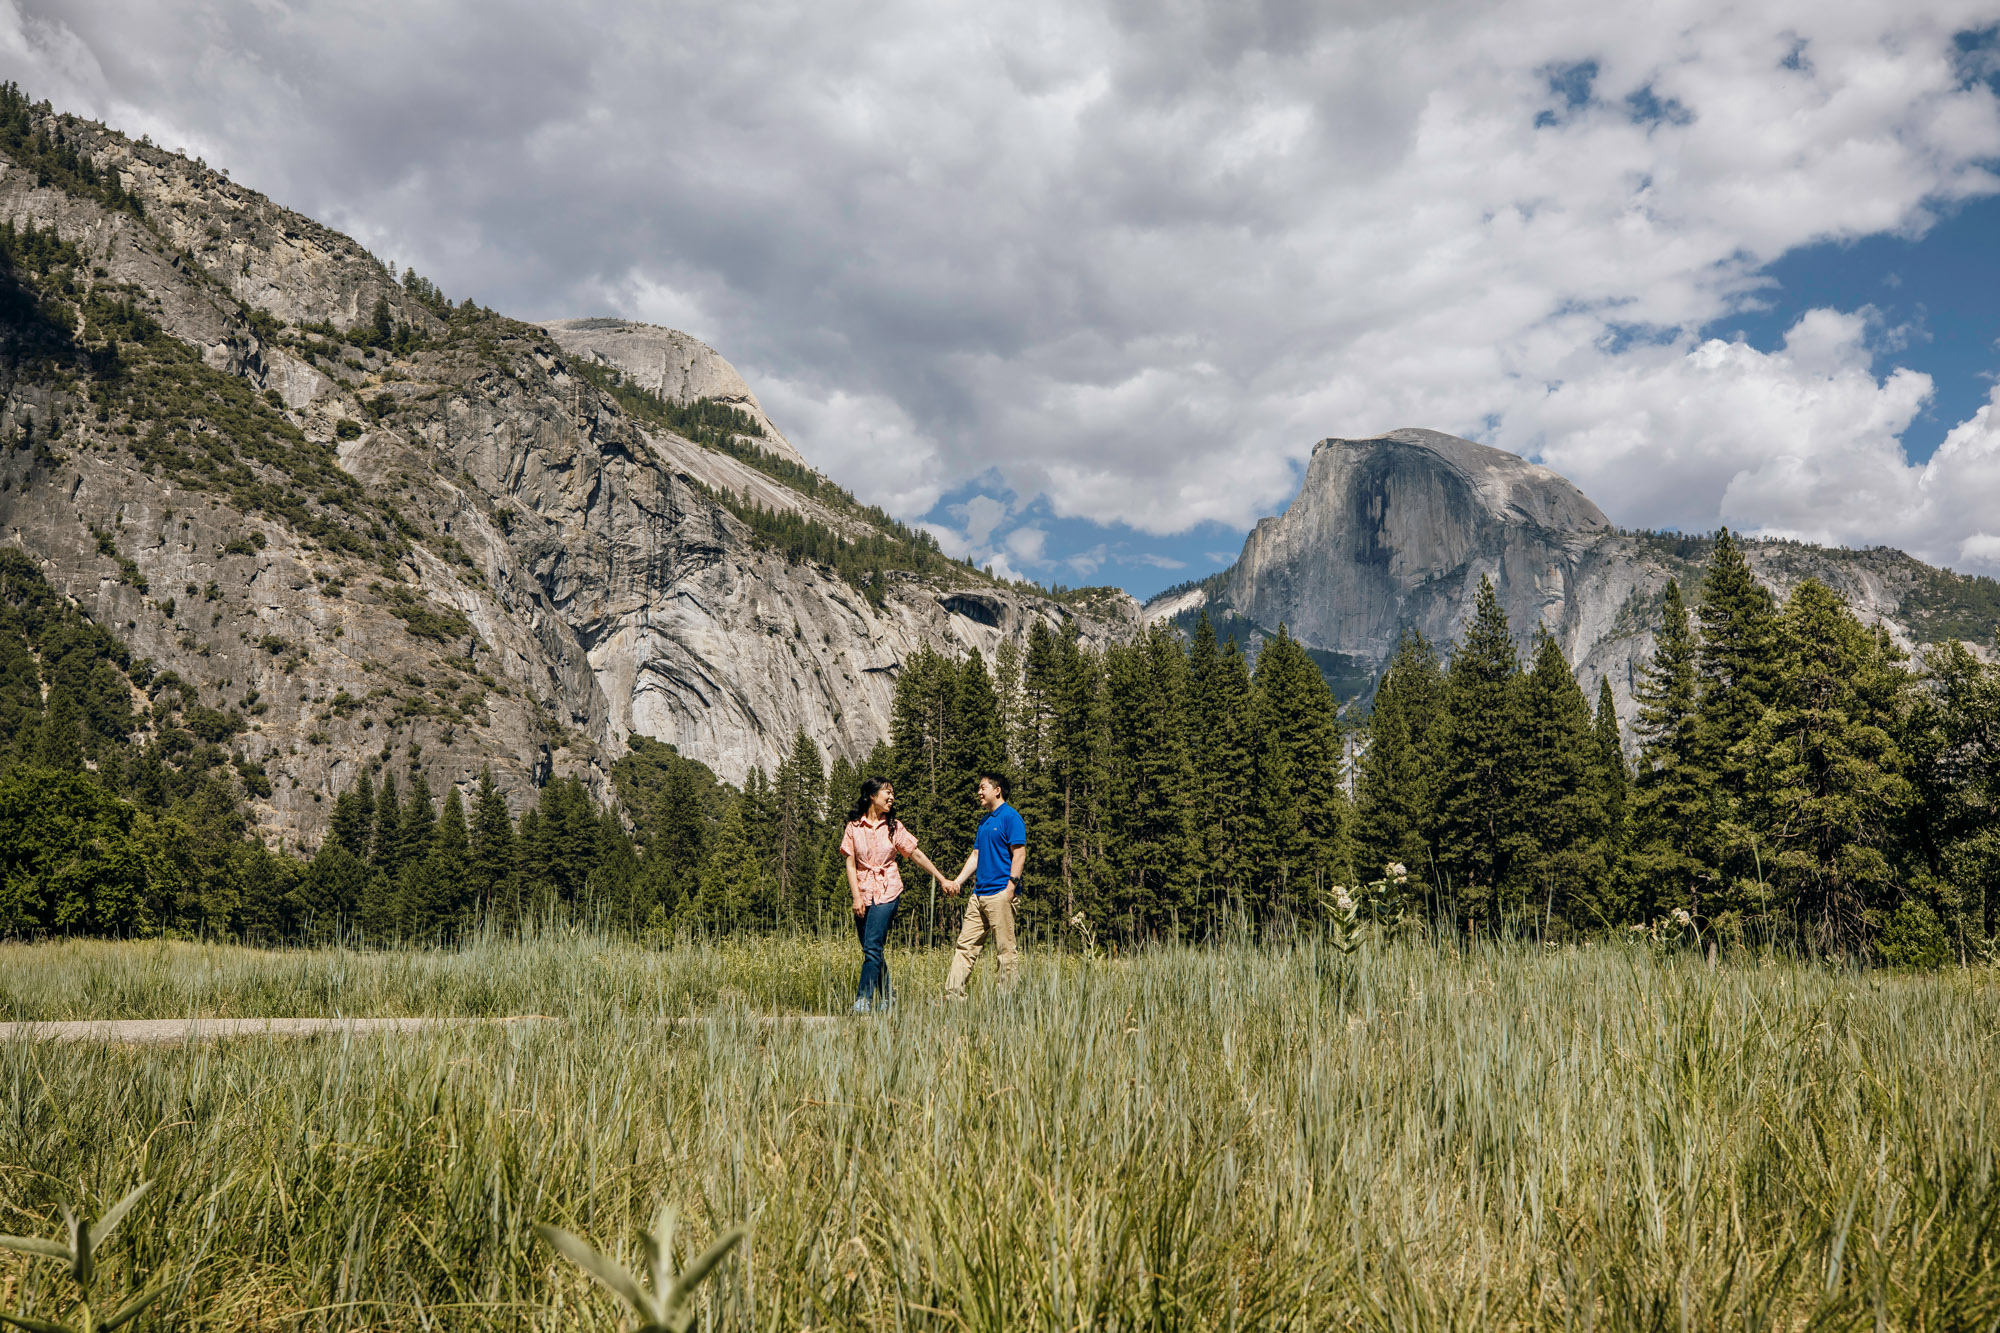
{"x": 168, "y": 1031}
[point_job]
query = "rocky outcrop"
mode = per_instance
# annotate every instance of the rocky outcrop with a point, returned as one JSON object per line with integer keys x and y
{"x": 1395, "y": 533}
{"x": 677, "y": 366}
{"x": 525, "y": 577}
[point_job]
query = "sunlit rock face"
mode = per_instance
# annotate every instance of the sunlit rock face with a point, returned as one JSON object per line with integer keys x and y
{"x": 1397, "y": 531}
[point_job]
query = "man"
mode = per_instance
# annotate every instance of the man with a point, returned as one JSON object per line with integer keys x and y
{"x": 999, "y": 851}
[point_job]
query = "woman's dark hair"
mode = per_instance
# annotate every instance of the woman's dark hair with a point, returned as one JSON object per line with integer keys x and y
{"x": 869, "y": 786}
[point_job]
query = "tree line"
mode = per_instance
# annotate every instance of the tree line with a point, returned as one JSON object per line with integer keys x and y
{"x": 1799, "y": 782}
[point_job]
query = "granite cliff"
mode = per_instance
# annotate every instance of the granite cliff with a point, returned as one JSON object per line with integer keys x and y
{"x": 378, "y": 527}
{"x": 1395, "y": 532}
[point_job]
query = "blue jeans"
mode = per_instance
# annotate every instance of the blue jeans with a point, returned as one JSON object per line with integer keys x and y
{"x": 873, "y": 928}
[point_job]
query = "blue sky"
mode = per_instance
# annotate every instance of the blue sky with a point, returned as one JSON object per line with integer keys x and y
{"x": 1079, "y": 283}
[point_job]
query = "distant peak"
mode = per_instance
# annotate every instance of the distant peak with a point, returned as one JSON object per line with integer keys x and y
{"x": 1506, "y": 482}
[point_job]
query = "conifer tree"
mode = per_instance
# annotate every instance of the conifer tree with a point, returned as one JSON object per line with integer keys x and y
{"x": 1307, "y": 815}
{"x": 1223, "y": 715}
{"x": 1737, "y": 664}
{"x": 418, "y": 822}
{"x": 1825, "y": 782}
{"x": 1393, "y": 787}
{"x": 1952, "y": 737}
{"x": 831, "y": 898}
{"x": 1477, "y": 764}
{"x": 977, "y": 743}
{"x": 1150, "y": 789}
{"x": 1671, "y": 812}
{"x": 353, "y": 823}
{"x": 433, "y": 887}
{"x": 732, "y": 884}
{"x": 1007, "y": 698}
{"x": 1557, "y": 846}
{"x": 801, "y": 792}
{"x": 1078, "y": 748}
{"x": 920, "y": 738}
{"x": 1614, "y": 778}
{"x": 377, "y": 915}
{"x": 1737, "y": 670}
{"x": 492, "y": 878}
{"x": 385, "y": 857}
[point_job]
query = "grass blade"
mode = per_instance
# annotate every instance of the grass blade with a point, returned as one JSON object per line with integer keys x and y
{"x": 35, "y": 1325}
{"x": 621, "y": 1282}
{"x": 102, "y": 1227}
{"x": 134, "y": 1307}
{"x": 700, "y": 1268}
{"x": 48, "y": 1249}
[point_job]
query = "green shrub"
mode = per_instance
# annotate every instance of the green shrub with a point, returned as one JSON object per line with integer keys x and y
{"x": 1915, "y": 938}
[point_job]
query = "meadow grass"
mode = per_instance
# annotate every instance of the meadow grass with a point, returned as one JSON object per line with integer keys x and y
{"x": 1418, "y": 1137}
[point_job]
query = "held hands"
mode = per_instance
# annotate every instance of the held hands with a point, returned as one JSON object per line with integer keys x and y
{"x": 950, "y": 886}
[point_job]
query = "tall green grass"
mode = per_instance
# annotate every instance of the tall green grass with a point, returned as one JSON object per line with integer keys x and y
{"x": 1413, "y": 1138}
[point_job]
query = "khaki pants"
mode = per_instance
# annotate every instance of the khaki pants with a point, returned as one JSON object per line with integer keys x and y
{"x": 990, "y": 914}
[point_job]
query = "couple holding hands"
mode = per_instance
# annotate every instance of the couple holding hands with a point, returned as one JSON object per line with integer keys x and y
{"x": 872, "y": 842}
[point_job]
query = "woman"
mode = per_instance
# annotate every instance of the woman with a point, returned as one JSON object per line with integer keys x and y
{"x": 871, "y": 843}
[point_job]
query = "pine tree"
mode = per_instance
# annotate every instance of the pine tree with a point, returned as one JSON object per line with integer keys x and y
{"x": 1007, "y": 699}
{"x": 801, "y": 792}
{"x": 1825, "y": 782}
{"x": 1393, "y": 796}
{"x": 977, "y": 744}
{"x": 434, "y": 887}
{"x": 1737, "y": 670}
{"x": 831, "y": 898}
{"x": 1671, "y": 812}
{"x": 353, "y": 823}
{"x": 1614, "y": 778}
{"x": 378, "y": 911}
{"x": 1557, "y": 843}
{"x": 1150, "y": 810}
{"x": 535, "y": 891}
{"x": 1737, "y": 664}
{"x": 1223, "y": 710}
{"x": 1952, "y": 737}
{"x": 733, "y": 879}
{"x": 1476, "y": 765}
{"x": 492, "y": 879}
{"x": 418, "y": 823}
{"x": 921, "y": 742}
{"x": 1309, "y": 825}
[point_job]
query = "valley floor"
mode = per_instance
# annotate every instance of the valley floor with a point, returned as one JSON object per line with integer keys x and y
{"x": 1416, "y": 1137}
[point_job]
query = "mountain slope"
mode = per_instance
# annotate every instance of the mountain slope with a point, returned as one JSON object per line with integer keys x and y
{"x": 1395, "y": 533}
{"x": 383, "y": 528}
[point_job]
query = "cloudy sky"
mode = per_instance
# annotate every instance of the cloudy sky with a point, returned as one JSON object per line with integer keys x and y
{"x": 1081, "y": 282}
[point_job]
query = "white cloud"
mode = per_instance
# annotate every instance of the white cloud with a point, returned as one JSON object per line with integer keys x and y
{"x": 1028, "y": 543}
{"x": 981, "y": 514}
{"x": 1801, "y": 442}
{"x": 1139, "y": 259}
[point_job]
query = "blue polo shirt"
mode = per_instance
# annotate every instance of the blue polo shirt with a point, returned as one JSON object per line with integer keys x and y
{"x": 999, "y": 833}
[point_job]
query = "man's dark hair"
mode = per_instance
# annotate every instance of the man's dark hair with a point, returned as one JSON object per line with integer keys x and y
{"x": 997, "y": 778}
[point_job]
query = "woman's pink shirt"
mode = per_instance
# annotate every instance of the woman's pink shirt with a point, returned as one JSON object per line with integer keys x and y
{"x": 875, "y": 851}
